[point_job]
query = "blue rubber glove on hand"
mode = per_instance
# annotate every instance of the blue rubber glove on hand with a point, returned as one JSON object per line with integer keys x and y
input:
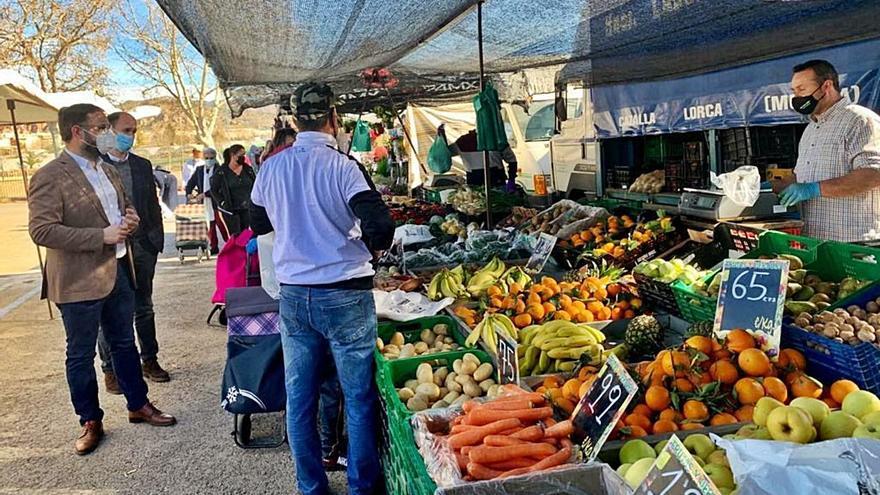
{"x": 798, "y": 192}
{"x": 510, "y": 186}
{"x": 251, "y": 246}
{"x": 766, "y": 185}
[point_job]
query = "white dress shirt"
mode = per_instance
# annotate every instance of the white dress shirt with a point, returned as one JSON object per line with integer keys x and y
{"x": 104, "y": 190}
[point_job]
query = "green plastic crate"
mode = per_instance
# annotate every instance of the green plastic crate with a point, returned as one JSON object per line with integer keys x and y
{"x": 694, "y": 307}
{"x": 772, "y": 243}
{"x": 837, "y": 260}
{"x": 411, "y": 330}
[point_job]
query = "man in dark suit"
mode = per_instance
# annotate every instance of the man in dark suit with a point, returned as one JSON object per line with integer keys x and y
{"x": 147, "y": 242}
{"x": 79, "y": 211}
{"x": 201, "y": 182}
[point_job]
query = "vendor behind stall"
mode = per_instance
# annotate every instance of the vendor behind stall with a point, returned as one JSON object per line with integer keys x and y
{"x": 466, "y": 147}
{"x": 837, "y": 176}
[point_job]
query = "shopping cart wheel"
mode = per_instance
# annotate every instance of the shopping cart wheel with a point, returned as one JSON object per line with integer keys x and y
{"x": 180, "y": 255}
{"x": 242, "y": 431}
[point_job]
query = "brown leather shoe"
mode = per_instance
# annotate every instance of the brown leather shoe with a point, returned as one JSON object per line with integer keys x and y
{"x": 90, "y": 438}
{"x": 111, "y": 384}
{"x": 154, "y": 372}
{"x": 149, "y": 414}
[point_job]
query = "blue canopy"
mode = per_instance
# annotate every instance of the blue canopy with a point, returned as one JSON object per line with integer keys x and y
{"x": 751, "y": 95}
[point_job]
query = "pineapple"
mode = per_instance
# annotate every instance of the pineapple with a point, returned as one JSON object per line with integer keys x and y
{"x": 700, "y": 328}
{"x": 604, "y": 272}
{"x": 644, "y": 335}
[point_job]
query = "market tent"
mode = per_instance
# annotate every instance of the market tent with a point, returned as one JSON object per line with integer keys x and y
{"x": 65, "y": 99}
{"x": 32, "y": 105}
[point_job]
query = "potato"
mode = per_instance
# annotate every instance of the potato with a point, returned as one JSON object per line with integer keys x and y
{"x": 442, "y": 373}
{"x": 441, "y": 329}
{"x": 405, "y": 394}
{"x": 421, "y": 348}
{"x": 456, "y": 366}
{"x": 417, "y": 403}
{"x": 443, "y": 391}
{"x": 424, "y": 373}
{"x": 440, "y": 404}
{"x": 462, "y": 379}
{"x": 486, "y": 384}
{"x": 472, "y": 389}
{"x": 451, "y": 396}
{"x": 430, "y": 390}
{"x": 380, "y": 344}
{"x": 483, "y": 372}
{"x": 437, "y": 344}
{"x": 448, "y": 340}
{"x": 460, "y": 400}
{"x": 411, "y": 384}
{"x": 468, "y": 368}
{"x": 470, "y": 357}
{"x": 451, "y": 384}
{"x": 493, "y": 391}
{"x": 447, "y": 347}
{"x": 391, "y": 348}
{"x": 397, "y": 339}
{"x": 408, "y": 351}
{"x": 427, "y": 336}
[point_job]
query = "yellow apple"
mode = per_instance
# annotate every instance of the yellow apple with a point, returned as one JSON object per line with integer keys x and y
{"x": 872, "y": 418}
{"x": 763, "y": 408}
{"x": 637, "y": 473}
{"x": 860, "y": 403}
{"x": 817, "y": 409}
{"x": 790, "y": 424}
{"x": 720, "y": 475}
{"x": 867, "y": 431}
{"x": 838, "y": 424}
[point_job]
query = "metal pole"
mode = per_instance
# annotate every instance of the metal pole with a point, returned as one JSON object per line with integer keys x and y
{"x": 405, "y": 134}
{"x": 10, "y": 105}
{"x": 482, "y": 83}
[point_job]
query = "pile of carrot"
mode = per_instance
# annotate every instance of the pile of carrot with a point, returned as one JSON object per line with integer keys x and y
{"x": 511, "y": 435}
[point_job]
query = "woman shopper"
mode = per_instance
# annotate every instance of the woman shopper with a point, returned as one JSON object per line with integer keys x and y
{"x": 231, "y": 188}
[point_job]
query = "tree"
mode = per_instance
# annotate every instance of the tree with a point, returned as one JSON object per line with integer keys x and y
{"x": 153, "y": 48}
{"x": 61, "y": 43}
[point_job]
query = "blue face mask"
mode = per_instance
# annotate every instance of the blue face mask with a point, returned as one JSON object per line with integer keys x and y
{"x": 124, "y": 142}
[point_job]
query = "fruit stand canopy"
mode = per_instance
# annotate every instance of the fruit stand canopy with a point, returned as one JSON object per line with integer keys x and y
{"x": 261, "y": 49}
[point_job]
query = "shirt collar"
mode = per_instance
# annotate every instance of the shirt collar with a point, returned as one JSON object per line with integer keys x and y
{"x": 314, "y": 138}
{"x": 118, "y": 160}
{"x": 83, "y": 162}
{"x": 833, "y": 110}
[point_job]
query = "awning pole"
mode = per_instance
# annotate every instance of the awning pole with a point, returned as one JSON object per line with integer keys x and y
{"x": 482, "y": 83}
{"x": 10, "y": 105}
{"x": 405, "y": 134}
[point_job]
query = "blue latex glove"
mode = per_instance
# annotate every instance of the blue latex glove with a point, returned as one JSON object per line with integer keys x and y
{"x": 252, "y": 246}
{"x": 798, "y": 192}
{"x": 766, "y": 185}
{"x": 510, "y": 186}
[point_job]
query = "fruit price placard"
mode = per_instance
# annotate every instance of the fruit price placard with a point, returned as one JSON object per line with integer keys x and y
{"x": 602, "y": 406}
{"x": 543, "y": 249}
{"x": 675, "y": 472}
{"x": 508, "y": 361}
{"x": 752, "y": 297}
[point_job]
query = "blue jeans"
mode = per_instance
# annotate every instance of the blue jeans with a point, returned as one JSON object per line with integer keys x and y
{"x": 332, "y": 437}
{"x": 346, "y": 321}
{"x": 115, "y": 314}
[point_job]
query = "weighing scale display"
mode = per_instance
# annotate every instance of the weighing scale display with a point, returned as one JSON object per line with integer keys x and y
{"x": 704, "y": 202}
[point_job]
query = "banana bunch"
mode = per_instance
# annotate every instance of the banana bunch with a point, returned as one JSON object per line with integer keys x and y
{"x": 516, "y": 275}
{"x": 488, "y": 329}
{"x": 558, "y": 346}
{"x": 447, "y": 283}
{"x": 486, "y": 277}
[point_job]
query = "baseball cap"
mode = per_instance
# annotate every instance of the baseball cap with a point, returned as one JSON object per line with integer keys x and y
{"x": 312, "y": 101}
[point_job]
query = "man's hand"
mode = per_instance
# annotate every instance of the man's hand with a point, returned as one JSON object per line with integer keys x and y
{"x": 200, "y": 198}
{"x": 798, "y": 192}
{"x": 130, "y": 221}
{"x": 114, "y": 234}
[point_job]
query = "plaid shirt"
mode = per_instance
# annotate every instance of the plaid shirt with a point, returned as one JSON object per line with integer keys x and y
{"x": 844, "y": 138}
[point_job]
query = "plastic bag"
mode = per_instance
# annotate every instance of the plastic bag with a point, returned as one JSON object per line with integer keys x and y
{"x": 409, "y": 234}
{"x": 742, "y": 186}
{"x": 360, "y": 138}
{"x": 404, "y": 306}
{"x": 265, "y": 245}
{"x": 842, "y": 466}
{"x": 439, "y": 157}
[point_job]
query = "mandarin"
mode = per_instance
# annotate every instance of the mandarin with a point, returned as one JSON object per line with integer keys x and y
{"x": 724, "y": 371}
{"x": 739, "y": 340}
{"x": 657, "y": 398}
{"x": 841, "y": 388}
{"x": 774, "y": 387}
{"x": 754, "y": 362}
{"x": 805, "y": 386}
{"x": 664, "y": 426}
{"x": 748, "y": 391}
{"x": 695, "y": 410}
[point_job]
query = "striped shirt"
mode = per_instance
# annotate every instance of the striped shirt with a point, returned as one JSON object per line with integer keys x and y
{"x": 844, "y": 138}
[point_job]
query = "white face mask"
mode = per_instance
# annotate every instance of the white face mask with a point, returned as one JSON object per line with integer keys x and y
{"x": 104, "y": 141}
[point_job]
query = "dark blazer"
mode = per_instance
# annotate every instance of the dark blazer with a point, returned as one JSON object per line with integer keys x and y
{"x": 197, "y": 180}
{"x": 150, "y": 233}
{"x": 220, "y": 186}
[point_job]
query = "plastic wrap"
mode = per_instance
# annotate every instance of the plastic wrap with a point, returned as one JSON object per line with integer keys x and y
{"x": 742, "y": 186}
{"x": 405, "y": 306}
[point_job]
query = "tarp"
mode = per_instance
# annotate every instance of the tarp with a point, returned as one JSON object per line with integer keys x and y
{"x": 65, "y": 99}
{"x": 756, "y": 94}
{"x": 31, "y": 103}
{"x": 261, "y": 49}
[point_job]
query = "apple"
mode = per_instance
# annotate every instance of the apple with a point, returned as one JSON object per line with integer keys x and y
{"x": 718, "y": 457}
{"x": 725, "y": 491}
{"x": 763, "y": 408}
{"x": 720, "y": 475}
{"x": 700, "y": 461}
{"x": 817, "y": 409}
{"x": 867, "y": 431}
{"x": 839, "y": 424}
{"x": 637, "y": 473}
{"x": 763, "y": 433}
{"x": 699, "y": 445}
{"x": 732, "y": 436}
{"x": 623, "y": 469}
{"x": 660, "y": 446}
{"x": 634, "y": 450}
{"x": 790, "y": 424}
{"x": 860, "y": 403}
{"x": 872, "y": 418}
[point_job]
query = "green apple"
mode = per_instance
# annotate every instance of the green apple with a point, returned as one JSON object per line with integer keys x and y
{"x": 637, "y": 473}
{"x": 867, "y": 431}
{"x": 699, "y": 445}
{"x": 660, "y": 446}
{"x": 623, "y": 469}
{"x": 860, "y": 403}
{"x": 722, "y": 476}
{"x": 747, "y": 431}
{"x": 763, "y": 408}
{"x": 732, "y": 436}
{"x": 725, "y": 491}
{"x": 753, "y": 432}
{"x": 700, "y": 461}
{"x": 871, "y": 418}
{"x": 817, "y": 409}
{"x": 718, "y": 457}
{"x": 634, "y": 450}
{"x": 790, "y": 424}
{"x": 763, "y": 433}
{"x": 838, "y": 424}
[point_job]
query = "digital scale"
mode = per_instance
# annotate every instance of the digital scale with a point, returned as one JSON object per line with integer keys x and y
{"x": 714, "y": 205}
{"x": 440, "y": 181}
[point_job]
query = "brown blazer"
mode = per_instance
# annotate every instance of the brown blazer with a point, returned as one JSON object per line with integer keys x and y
{"x": 67, "y": 218}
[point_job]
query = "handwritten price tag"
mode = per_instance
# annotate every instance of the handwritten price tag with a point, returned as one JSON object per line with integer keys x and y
{"x": 675, "y": 472}
{"x": 508, "y": 360}
{"x": 543, "y": 249}
{"x": 602, "y": 406}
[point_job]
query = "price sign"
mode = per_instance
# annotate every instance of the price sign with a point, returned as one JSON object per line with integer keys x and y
{"x": 508, "y": 360}
{"x": 752, "y": 297}
{"x": 541, "y": 254}
{"x": 675, "y": 472}
{"x": 602, "y": 406}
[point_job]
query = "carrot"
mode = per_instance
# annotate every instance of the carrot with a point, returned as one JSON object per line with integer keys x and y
{"x": 559, "y": 430}
{"x": 511, "y": 389}
{"x": 484, "y": 416}
{"x": 467, "y": 406}
{"x": 487, "y": 455}
{"x": 505, "y": 405}
{"x": 519, "y": 462}
{"x": 476, "y": 435}
{"x": 460, "y": 428}
{"x": 552, "y": 441}
{"x": 549, "y": 422}
{"x": 510, "y": 431}
{"x": 548, "y": 462}
{"x": 465, "y": 450}
{"x": 566, "y": 442}
{"x": 501, "y": 441}
{"x": 481, "y": 472}
{"x": 531, "y": 434}
{"x": 457, "y": 420}
{"x": 462, "y": 460}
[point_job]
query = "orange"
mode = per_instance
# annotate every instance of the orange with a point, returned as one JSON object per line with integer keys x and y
{"x": 565, "y": 301}
{"x": 638, "y": 420}
{"x": 774, "y": 387}
{"x": 695, "y": 410}
{"x": 553, "y": 381}
{"x": 523, "y": 320}
{"x": 675, "y": 363}
{"x": 683, "y": 385}
{"x": 805, "y": 386}
{"x": 657, "y": 398}
{"x": 744, "y": 413}
{"x": 600, "y": 293}
{"x": 692, "y": 426}
{"x": 700, "y": 343}
{"x": 549, "y": 308}
{"x": 634, "y": 431}
{"x": 613, "y": 289}
{"x": 533, "y": 299}
{"x": 748, "y": 391}
{"x": 616, "y": 314}
{"x": 496, "y": 302}
{"x": 585, "y": 387}
{"x": 536, "y": 311}
{"x": 562, "y": 315}
{"x": 724, "y": 371}
{"x": 791, "y": 377}
{"x": 723, "y": 419}
{"x": 842, "y": 388}
{"x": 571, "y": 387}
{"x": 643, "y": 410}
{"x": 587, "y": 373}
{"x": 541, "y": 390}
{"x": 519, "y": 306}
{"x": 791, "y": 359}
{"x": 721, "y": 354}
{"x": 671, "y": 414}
{"x": 606, "y": 313}
{"x": 494, "y": 291}
{"x": 754, "y": 362}
{"x": 566, "y": 405}
{"x": 585, "y": 317}
{"x": 739, "y": 340}
{"x": 578, "y": 306}
{"x": 833, "y": 404}
{"x": 664, "y": 426}
{"x": 515, "y": 288}
{"x": 594, "y": 306}
{"x": 629, "y": 314}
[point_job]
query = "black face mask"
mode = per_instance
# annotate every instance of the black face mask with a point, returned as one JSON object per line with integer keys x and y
{"x": 241, "y": 160}
{"x": 806, "y": 104}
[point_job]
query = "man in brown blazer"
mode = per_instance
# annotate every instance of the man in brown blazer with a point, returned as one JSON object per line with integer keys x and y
{"x": 79, "y": 212}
